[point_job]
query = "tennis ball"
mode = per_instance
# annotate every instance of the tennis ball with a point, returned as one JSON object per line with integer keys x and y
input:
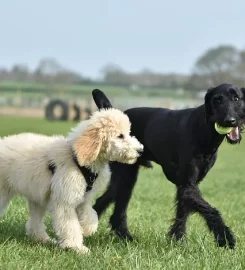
{"x": 222, "y": 130}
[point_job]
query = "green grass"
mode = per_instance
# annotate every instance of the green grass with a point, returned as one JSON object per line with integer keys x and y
{"x": 30, "y": 90}
{"x": 149, "y": 217}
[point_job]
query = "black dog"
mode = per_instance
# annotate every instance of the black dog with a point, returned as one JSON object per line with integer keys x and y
{"x": 185, "y": 144}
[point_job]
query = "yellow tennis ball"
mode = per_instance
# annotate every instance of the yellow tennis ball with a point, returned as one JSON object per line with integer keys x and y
{"x": 222, "y": 130}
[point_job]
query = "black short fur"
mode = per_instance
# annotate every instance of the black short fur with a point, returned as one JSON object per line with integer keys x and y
{"x": 185, "y": 144}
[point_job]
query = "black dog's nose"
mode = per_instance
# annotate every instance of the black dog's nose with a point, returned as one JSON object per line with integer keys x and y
{"x": 230, "y": 121}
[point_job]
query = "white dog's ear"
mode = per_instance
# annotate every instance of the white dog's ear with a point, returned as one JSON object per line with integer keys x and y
{"x": 88, "y": 146}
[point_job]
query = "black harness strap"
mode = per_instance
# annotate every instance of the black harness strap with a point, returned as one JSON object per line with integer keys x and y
{"x": 52, "y": 167}
{"x": 88, "y": 175}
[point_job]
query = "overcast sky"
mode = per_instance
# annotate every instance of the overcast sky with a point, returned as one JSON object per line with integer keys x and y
{"x": 165, "y": 36}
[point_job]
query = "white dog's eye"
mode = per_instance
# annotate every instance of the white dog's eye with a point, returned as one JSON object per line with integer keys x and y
{"x": 121, "y": 136}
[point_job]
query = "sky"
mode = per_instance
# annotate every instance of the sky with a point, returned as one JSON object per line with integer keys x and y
{"x": 163, "y": 36}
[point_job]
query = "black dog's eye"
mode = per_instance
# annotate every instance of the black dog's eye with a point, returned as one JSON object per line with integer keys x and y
{"x": 236, "y": 98}
{"x": 218, "y": 99}
{"x": 121, "y": 136}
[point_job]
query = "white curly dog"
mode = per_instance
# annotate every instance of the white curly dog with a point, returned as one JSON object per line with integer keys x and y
{"x": 25, "y": 162}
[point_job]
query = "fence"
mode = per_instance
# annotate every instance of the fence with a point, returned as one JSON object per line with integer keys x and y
{"x": 32, "y": 103}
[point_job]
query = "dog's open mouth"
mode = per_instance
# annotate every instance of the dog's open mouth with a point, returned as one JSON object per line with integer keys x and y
{"x": 234, "y": 135}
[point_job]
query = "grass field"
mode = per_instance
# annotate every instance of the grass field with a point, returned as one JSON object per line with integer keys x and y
{"x": 149, "y": 218}
{"x": 28, "y": 90}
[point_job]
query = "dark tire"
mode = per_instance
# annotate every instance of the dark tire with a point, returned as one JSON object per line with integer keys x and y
{"x": 50, "y": 110}
{"x": 77, "y": 112}
{"x": 88, "y": 112}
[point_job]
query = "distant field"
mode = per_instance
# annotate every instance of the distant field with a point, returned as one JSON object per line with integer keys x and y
{"x": 26, "y": 95}
{"x": 150, "y": 213}
{"x": 14, "y": 125}
{"x": 31, "y": 89}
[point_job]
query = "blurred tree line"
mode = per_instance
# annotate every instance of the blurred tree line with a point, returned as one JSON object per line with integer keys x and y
{"x": 217, "y": 65}
{"x": 223, "y": 63}
{"x": 48, "y": 70}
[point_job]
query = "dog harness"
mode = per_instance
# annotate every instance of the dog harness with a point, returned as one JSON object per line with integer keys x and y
{"x": 88, "y": 175}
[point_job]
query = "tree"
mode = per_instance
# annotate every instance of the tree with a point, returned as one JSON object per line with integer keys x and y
{"x": 19, "y": 72}
{"x": 114, "y": 75}
{"x": 50, "y": 70}
{"x": 241, "y": 68}
{"x": 217, "y": 60}
{"x": 217, "y": 65}
{"x": 49, "y": 67}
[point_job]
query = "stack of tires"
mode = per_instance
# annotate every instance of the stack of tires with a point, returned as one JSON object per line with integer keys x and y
{"x": 64, "y": 111}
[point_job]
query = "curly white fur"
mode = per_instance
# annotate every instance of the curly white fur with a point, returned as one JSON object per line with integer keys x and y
{"x": 24, "y": 161}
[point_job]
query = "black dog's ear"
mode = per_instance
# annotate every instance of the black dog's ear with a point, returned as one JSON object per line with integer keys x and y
{"x": 101, "y": 100}
{"x": 208, "y": 106}
{"x": 243, "y": 91}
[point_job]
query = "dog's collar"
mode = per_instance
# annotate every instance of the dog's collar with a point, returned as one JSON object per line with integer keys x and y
{"x": 89, "y": 176}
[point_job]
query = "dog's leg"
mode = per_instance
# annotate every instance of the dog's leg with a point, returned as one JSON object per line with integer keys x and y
{"x": 105, "y": 200}
{"x": 126, "y": 178}
{"x": 221, "y": 232}
{"x": 67, "y": 227}
{"x": 5, "y": 197}
{"x": 35, "y": 225}
{"x": 178, "y": 229}
{"x": 108, "y": 197}
{"x": 192, "y": 198}
{"x": 88, "y": 219}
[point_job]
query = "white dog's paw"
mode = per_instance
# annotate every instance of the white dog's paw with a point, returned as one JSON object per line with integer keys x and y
{"x": 89, "y": 230}
{"x": 42, "y": 238}
{"x": 38, "y": 233}
{"x": 83, "y": 250}
{"x": 39, "y": 236}
{"x": 89, "y": 222}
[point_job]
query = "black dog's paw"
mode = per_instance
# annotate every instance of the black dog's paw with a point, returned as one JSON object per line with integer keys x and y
{"x": 176, "y": 234}
{"x": 124, "y": 234}
{"x": 120, "y": 228}
{"x": 226, "y": 239}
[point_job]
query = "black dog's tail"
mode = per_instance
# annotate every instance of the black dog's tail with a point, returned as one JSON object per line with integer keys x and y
{"x": 102, "y": 102}
{"x": 100, "y": 99}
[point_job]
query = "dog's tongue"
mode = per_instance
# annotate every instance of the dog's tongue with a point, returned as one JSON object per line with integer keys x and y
{"x": 234, "y": 134}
